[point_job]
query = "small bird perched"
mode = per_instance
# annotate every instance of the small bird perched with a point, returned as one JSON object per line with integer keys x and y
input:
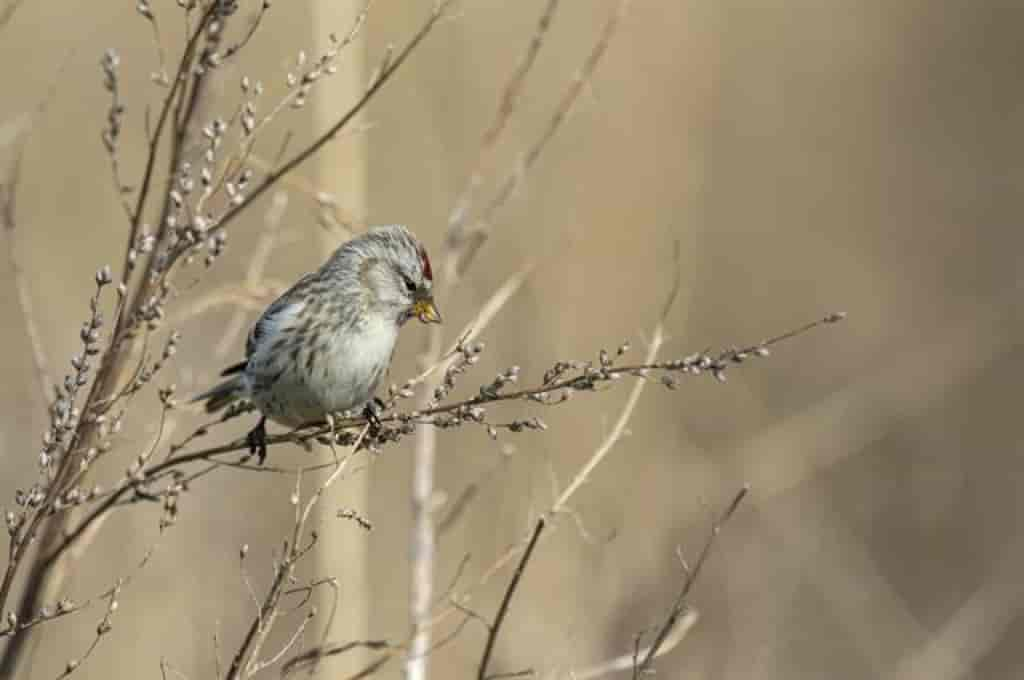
{"x": 325, "y": 344}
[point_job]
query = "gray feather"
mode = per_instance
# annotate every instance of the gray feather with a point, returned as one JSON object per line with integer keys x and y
{"x": 223, "y": 394}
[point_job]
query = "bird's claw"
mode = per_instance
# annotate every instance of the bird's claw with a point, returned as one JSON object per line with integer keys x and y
{"x": 372, "y": 412}
{"x": 257, "y": 440}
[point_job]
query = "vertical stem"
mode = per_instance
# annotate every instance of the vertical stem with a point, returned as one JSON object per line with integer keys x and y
{"x": 342, "y": 167}
{"x": 423, "y": 538}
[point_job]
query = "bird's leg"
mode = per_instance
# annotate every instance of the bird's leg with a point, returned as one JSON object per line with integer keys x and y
{"x": 372, "y": 412}
{"x": 257, "y": 439}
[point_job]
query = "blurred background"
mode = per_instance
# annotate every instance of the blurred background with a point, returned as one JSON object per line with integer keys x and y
{"x": 808, "y": 157}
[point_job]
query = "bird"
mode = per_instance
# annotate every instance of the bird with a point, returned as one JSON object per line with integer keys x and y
{"x": 326, "y": 343}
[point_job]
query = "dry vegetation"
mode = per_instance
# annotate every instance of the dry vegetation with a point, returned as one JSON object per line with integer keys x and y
{"x": 208, "y": 159}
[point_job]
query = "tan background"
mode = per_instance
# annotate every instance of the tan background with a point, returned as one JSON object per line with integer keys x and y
{"x": 808, "y": 156}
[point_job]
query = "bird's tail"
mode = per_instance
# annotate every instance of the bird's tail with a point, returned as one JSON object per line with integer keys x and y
{"x": 225, "y": 393}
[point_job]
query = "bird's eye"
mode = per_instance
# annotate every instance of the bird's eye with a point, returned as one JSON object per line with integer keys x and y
{"x": 410, "y": 285}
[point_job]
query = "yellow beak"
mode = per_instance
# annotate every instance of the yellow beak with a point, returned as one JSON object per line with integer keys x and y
{"x": 426, "y": 311}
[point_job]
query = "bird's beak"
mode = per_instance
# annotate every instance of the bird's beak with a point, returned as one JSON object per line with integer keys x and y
{"x": 426, "y": 311}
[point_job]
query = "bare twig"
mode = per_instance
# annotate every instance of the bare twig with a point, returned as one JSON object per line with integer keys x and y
{"x": 506, "y": 108}
{"x": 111, "y": 63}
{"x": 254, "y": 275}
{"x": 143, "y": 309}
{"x": 388, "y": 70}
{"x": 178, "y": 84}
{"x": 102, "y": 628}
{"x": 15, "y": 133}
{"x": 506, "y": 600}
{"x": 465, "y": 243}
{"x": 472, "y": 330}
{"x": 615, "y": 434}
{"x": 312, "y": 657}
{"x": 679, "y": 608}
{"x": 146, "y": 11}
{"x": 8, "y": 10}
{"x": 625, "y": 662}
{"x": 617, "y": 430}
{"x": 459, "y": 251}
{"x": 424, "y": 532}
{"x": 246, "y": 661}
{"x": 695, "y": 364}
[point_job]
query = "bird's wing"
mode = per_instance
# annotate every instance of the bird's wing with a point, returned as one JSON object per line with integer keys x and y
{"x": 284, "y": 305}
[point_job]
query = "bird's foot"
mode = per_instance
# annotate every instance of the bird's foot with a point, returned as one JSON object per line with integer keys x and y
{"x": 372, "y": 412}
{"x": 257, "y": 440}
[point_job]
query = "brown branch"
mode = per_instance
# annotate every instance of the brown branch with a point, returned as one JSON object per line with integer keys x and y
{"x": 587, "y": 379}
{"x": 153, "y": 152}
{"x": 102, "y": 628}
{"x": 312, "y": 657}
{"x": 49, "y": 571}
{"x": 246, "y": 660}
{"x": 389, "y": 69}
{"x": 492, "y": 635}
{"x": 679, "y": 607}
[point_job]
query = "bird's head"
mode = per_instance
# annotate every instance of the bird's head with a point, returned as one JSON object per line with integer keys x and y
{"x": 396, "y": 273}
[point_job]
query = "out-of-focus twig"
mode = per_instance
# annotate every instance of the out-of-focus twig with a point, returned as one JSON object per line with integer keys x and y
{"x": 15, "y": 134}
{"x": 619, "y": 428}
{"x": 254, "y": 274}
{"x": 310, "y": 658}
{"x": 466, "y": 242}
{"x": 8, "y": 10}
{"x": 459, "y": 250}
{"x": 388, "y": 68}
{"x": 679, "y": 607}
{"x": 506, "y": 600}
{"x": 677, "y": 623}
{"x": 506, "y": 108}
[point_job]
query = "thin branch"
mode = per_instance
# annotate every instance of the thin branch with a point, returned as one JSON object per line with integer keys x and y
{"x": 292, "y": 641}
{"x": 146, "y": 11}
{"x": 388, "y": 70}
{"x": 679, "y": 607}
{"x": 102, "y": 628}
{"x": 693, "y": 365}
{"x": 257, "y": 264}
{"x": 627, "y": 662}
{"x": 245, "y": 662}
{"x": 458, "y": 254}
{"x": 506, "y": 108}
{"x": 15, "y": 133}
{"x": 619, "y": 428}
{"x": 370, "y": 669}
{"x": 312, "y": 657}
{"x": 510, "y": 592}
{"x": 18, "y": 134}
{"x": 110, "y": 64}
{"x": 424, "y": 533}
{"x": 254, "y": 25}
{"x": 158, "y": 132}
{"x": 8, "y": 11}
{"x": 468, "y": 244}
{"x": 472, "y": 330}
